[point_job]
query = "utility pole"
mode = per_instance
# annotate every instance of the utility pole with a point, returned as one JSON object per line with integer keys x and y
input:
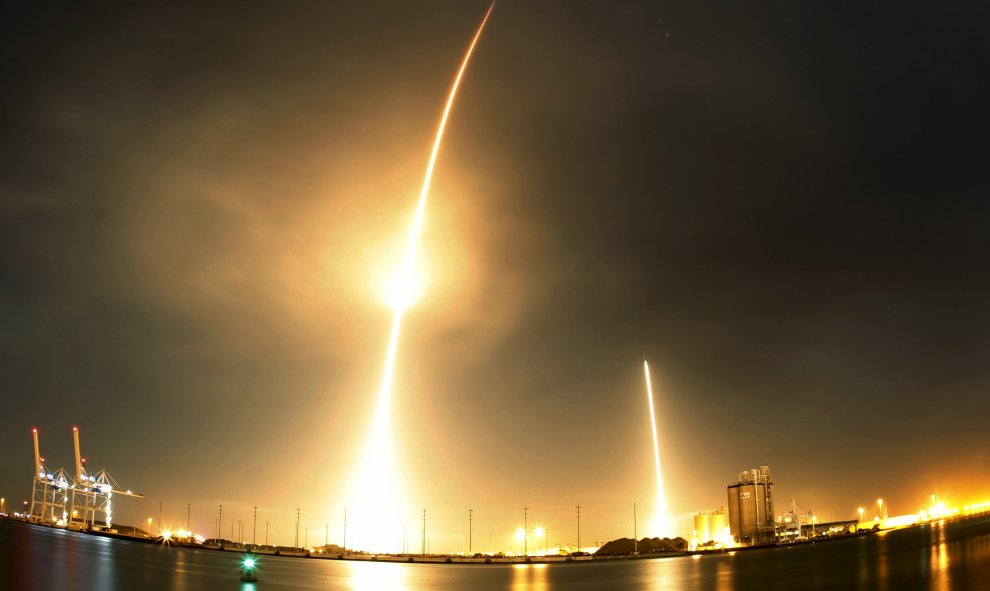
{"x": 423, "y": 548}
{"x": 525, "y": 531}
{"x": 470, "y": 531}
{"x": 297, "y": 527}
{"x": 254, "y": 527}
{"x": 579, "y": 528}
{"x": 635, "y": 537}
{"x": 219, "y": 521}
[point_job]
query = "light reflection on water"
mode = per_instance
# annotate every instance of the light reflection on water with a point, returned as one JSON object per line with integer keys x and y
{"x": 529, "y": 577}
{"x": 939, "y": 557}
{"x": 375, "y": 576}
{"x": 882, "y": 559}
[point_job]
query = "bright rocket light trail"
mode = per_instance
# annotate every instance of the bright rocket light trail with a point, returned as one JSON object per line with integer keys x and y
{"x": 376, "y": 482}
{"x": 660, "y": 518}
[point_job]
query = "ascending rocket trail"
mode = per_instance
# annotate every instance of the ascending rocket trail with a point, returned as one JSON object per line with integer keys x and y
{"x": 409, "y": 262}
{"x": 375, "y": 485}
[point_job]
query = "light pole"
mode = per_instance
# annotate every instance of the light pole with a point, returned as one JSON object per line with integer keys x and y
{"x": 188, "y": 511}
{"x": 345, "y": 531}
{"x": 635, "y": 535}
{"x": 326, "y": 536}
{"x": 159, "y": 515}
{"x": 470, "y": 531}
{"x": 149, "y": 527}
{"x": 861, "y": 514}
{"x": 525, "y": 531}
{"x": 297, "y": 527}
{"x": 883, "y": 514}
{"x": 579, "y": 528}
{"x": 254, "y": 528}
{"x": 423, "y": 547}
{"x": 219, "y": 521}
{"x": 266, "y": 532}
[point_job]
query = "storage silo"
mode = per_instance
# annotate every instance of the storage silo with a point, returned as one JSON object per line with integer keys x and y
{"x": 702, "y": 527}
{"x": 718, "y": 523}
{"x": 751, "y": 507}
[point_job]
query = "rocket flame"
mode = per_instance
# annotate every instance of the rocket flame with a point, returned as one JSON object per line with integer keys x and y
{"x": 661, "y": 522}
{"x": 375, "y": 485}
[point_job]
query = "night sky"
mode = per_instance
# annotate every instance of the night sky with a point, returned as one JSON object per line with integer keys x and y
{"x": 783, "y": 206}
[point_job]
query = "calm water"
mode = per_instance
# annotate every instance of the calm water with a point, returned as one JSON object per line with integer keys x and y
{"x": 952, "y": 556}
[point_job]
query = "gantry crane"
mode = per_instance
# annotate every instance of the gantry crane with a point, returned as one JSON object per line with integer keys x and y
{"x": 92, "y": 494}
{"x": 48, "y": 491}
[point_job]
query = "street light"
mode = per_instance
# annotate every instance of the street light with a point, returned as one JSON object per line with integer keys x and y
{"x": 538, "y": 532}
{"x": 861, "y": 514}
{"x": 882, "y": 511}
{"x": 149, "y": 527}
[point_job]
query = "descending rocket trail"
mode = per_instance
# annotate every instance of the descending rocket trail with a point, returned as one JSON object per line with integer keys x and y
{"x": 661, "y": 523}
{"x": 375, "y": 484}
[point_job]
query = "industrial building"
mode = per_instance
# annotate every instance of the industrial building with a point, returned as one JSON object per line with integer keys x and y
{"x": 750, "y": 504}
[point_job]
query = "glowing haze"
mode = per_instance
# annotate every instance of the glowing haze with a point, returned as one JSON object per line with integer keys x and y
{"x": 195, "y": 226}
{"x": 376, "y": 484}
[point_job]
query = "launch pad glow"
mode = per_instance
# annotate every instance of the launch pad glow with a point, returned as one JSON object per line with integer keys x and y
{"x": 374, "y": 498}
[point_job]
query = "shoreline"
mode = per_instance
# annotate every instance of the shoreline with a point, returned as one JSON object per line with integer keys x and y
{"x": 487, "y": 560}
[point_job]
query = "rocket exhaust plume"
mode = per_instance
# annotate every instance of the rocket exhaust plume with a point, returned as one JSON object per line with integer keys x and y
{"x": 375, "y": 485}
{"x": 661, "y": 522}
